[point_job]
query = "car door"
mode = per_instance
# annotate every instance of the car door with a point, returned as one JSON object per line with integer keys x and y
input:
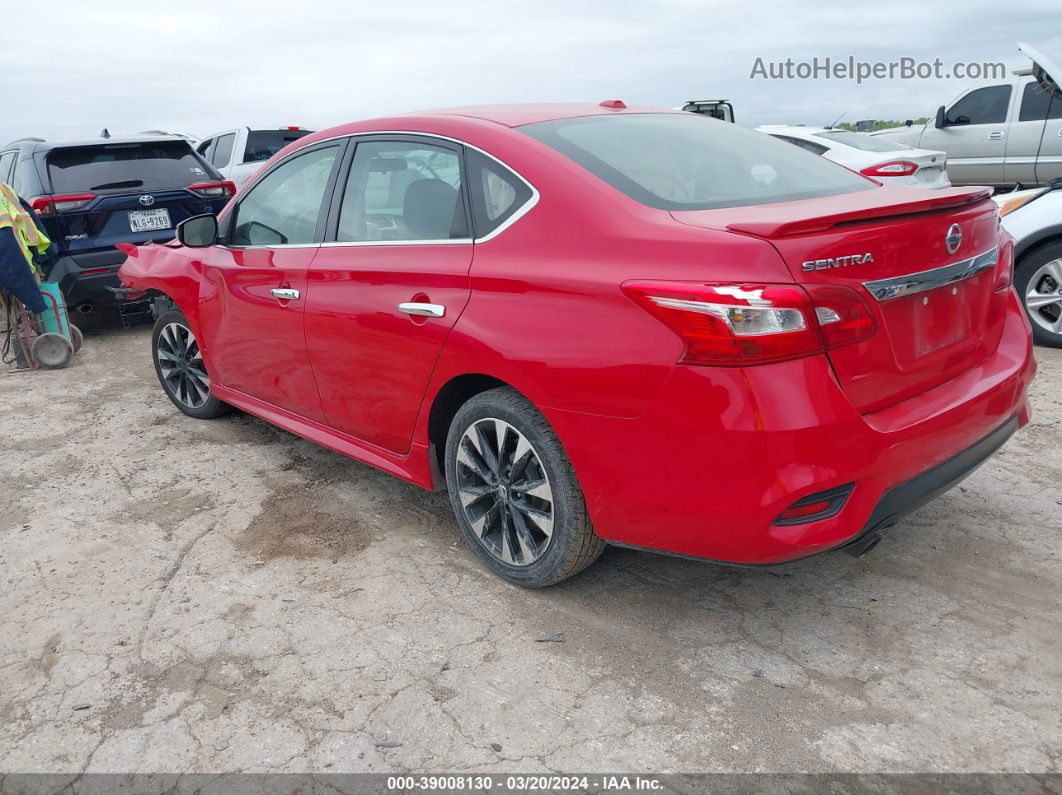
{"x": 1026, "y": 133}
{"x": 255, "y": 282}
{"x": 387, "y": 288}
{"x": 974, "y": 136}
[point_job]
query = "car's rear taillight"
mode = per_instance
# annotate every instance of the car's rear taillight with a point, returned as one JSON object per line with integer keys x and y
{"x": 843, "y": 316}
{"x": 51, "y": 205}
{"x": 1004, "y": 269}
{"x": 895, "y": 168}
{"x": 221, "y": 189}
{"x": 746, "y": 324}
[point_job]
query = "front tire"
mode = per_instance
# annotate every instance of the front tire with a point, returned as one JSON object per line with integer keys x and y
{"x": 1038, "y": 280}
{"x": 515, "y": 493}
{"x": 180, "y": 368}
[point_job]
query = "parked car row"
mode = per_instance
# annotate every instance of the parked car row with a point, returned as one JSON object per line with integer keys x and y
{"x": 884, "y": 160}
{"x": 92, "y": 194}
{"x": 1002, "y": 135}
{"x": 597, "y": 324}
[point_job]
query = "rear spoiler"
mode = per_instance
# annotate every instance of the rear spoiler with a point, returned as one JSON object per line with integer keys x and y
{"x": 776, "y": 220}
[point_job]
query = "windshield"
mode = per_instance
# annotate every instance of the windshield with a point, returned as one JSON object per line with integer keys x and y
{"x": 861, "y": 141}
{"x": 684, "y": 161}
{"x": 147, "y": 166}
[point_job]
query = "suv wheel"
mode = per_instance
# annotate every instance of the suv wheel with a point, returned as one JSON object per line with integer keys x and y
{"x": 1038, "y": 281}
{"x": 515, "y": 493}
{"x": 180, "y": 368}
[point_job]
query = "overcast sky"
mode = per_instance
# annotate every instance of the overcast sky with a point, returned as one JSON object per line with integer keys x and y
{"x": 200, "y": 67}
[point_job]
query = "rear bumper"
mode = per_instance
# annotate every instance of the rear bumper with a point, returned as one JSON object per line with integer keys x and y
{"x": 86, "y": 280}
{"x": 722, "y": 452}
{"x": 908, "y": 497}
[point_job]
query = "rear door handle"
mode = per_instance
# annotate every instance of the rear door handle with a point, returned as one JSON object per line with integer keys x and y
{"x": 285, "y": 294}
{"x": 425, "y": 310}
{"x": 997, "y": 136}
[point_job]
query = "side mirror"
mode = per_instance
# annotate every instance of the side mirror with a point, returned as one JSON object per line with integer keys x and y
{"x": 909, "y": 123}
{"x": 199, "y": 231}
{"x": 941, "y": 120}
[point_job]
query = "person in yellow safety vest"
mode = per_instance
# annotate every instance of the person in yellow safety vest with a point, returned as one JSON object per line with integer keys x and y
{"x": 20, "y": 239}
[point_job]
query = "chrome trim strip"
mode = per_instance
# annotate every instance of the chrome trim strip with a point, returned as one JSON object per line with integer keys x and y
{"x": 913, "y": 283}
{"x": 446, "y": 242}
{"x": 520, "y": 213}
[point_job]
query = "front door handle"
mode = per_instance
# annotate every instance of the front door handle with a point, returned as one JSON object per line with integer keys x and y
{"x": 285, "y": 294}
{"x": 999, "y": 135}
{"x": 425, "y": 310}
{"x": 1060, "y": 132}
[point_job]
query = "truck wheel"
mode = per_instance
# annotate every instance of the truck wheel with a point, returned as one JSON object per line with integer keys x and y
{"x": 1038, "y": 280}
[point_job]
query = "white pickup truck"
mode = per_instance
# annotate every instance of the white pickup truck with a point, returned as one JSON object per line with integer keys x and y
{"x": 1002, "y": 135}
{"x": 238, "y": 154}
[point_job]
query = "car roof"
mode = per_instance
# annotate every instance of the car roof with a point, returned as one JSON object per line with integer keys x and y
{"x": 39, "y": 145}
{"x": 519, "y": 114}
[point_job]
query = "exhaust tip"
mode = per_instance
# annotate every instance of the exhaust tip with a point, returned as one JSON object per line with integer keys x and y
{"x": 863, "y": 545}
{"x": 85, "y": 309}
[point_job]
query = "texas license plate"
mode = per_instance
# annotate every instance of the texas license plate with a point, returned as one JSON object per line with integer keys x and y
{"x": 149, "y": 220}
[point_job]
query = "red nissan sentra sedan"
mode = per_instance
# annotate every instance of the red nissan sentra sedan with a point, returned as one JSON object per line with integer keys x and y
{"x": 597, "y": 324}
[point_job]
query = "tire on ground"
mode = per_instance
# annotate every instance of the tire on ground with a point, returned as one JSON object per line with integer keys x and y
{"x": 573, "y": 545}
{"x": 212, "y": 407}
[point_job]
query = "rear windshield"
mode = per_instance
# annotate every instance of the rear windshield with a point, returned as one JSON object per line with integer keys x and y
{"x": 685, "y": 161}
{"x": 152, "y": 165}
{"x": 861, "y": 141}
{"x": 263, "y": 144}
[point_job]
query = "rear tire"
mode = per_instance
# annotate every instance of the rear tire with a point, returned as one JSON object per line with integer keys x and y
{"x": 180, "y": 367}
{"x": 1038, "y": 280}
{"x": 515, "y": 493}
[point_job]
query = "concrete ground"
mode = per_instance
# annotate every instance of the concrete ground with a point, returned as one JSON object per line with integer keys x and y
{"x": 179, "y": 595}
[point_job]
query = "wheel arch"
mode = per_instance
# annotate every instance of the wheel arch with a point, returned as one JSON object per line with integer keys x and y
{"x": 453, "y": 394}
{"x": 1031, "y": 244}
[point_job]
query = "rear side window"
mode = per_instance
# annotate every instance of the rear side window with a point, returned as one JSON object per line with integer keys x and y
{"x": 497, "y": 193}
{"x": 402, "y": 191}
{"x": 148, "y": 166}
{"x": 1037, "y": 105}
{"x": 263, "y": 144}
{"x": 223, "y": 151}
{"x": 685, "y": 161}
{"x": 983, "y": 106}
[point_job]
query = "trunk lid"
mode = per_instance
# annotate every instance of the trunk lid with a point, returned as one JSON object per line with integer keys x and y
{"x": 937, "y": 310}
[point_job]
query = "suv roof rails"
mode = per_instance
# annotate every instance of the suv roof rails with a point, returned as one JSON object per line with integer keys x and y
{"x": 28, "y": 138}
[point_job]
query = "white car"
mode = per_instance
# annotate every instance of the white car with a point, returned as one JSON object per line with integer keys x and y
{"x": 879, "y": 158}
{"x": 238, "y": 154}
{"x": 1034, "y": 218}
